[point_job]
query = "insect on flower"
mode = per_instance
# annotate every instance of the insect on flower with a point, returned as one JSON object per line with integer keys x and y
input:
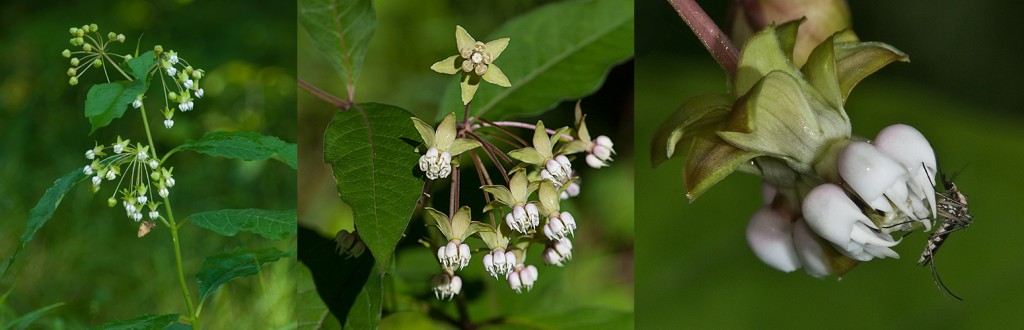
{"x": 953, "y": 216}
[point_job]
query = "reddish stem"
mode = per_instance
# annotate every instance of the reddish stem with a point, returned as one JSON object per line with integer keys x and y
{"x": 709, "y": 34}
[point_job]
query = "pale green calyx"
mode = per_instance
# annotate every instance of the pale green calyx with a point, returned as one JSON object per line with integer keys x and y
{"x": 459, "y": 227}
{"x": 474, "y": 62}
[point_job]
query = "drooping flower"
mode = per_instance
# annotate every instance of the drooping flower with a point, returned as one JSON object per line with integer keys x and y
{"x": 446, "y": 285}
{"x": 833, "y": 216}
{"x": 441, "y": 145}
{"x": 559, "y": 224}
{"x": 524, "y": 216}
{"x": 554, "y": 167}
{"x": 474, "y": 62}
{"x": 455, "y": 255}
{"x": 770, "y": 235}
{"x": 522, "y": 277}
{"x": 558, "y": 252}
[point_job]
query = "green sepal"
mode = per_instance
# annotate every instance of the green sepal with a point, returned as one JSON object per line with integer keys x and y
{"x": 574, "y": 146}
{"x": 541, "y": 141}
{"x": 528, "y": 155}
{"x": 549, "y": 197}
{"x": 442, "y": 221}
{"x": 709, "y": 160}
{"x": 501, "y": 193}
{"x": 445, "y": 135}
{"x": 763, "y": 53}
{"x": 426, "y": 131}
{"x": 857, "y": 60}
{"x": 700, "y": 114}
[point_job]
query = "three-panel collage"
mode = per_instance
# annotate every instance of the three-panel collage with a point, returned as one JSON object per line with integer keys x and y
{"x": 529, "y": 164}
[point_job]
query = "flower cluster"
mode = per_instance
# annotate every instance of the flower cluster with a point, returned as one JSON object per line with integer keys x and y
{"x": 183, "y": 88}
{"x": 529, "y": 204}
{"x": 147, "y": 179}
{"x": 831, "y": 199}
{"x": 180, "y": 81}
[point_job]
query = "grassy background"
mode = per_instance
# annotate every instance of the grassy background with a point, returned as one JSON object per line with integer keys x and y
{"x": 694, "y": 267}
{"x": 411, "y": 36}
{"x": 88, "y": 255}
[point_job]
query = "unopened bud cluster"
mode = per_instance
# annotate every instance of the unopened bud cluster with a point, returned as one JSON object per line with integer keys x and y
{"x": 92, "y": 51}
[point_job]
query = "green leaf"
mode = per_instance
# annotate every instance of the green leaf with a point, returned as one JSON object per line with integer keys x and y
{"x": 341, "y": 30}
{"x": 224, "y": 267}
{"x": 699, "y": 114}
{"x": 178, "y": 326}
{"x": 557, "y": 52}
{"x": 366, "y": 310}
{"x": 341, "y": 282}
{"x": 24, "y": 321}
{"x": 370, "y": 149}
{"x": 144, "y": 322}
{"x": 272, "y": 224}
{"x": 310, "y": 311}
{"x": 140, "y": 65}
{"x": 244, "y": 146}
{"x": 105, "y": 102}
{"x": 43, "y": 211}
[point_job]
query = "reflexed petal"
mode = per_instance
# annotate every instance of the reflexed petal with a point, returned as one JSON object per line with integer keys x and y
{"x": 810, "y": 250}
{"x": 450, "y": 65}
{"x": 495, "y": 76}
{"x": 495, "y": 47}
{"x": 869, "y": 172}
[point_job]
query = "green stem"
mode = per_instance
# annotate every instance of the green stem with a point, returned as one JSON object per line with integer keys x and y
{"x": 149, "y": 135}
{"x": 177, "y": 260}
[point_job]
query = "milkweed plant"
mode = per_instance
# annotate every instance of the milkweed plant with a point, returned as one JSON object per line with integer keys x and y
{"x": 131, "y": 174}
{"x": 509, "y": 223}
{"x": 831, "y": 199}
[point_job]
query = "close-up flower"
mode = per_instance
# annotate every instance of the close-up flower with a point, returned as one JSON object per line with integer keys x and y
{"x": 441, "y": 146}
{"x": 474, "y": 62}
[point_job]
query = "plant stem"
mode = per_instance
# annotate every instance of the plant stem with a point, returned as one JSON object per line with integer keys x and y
{"x": 709, "y": 34}
{"x": 149, "y": 135}
{"x": 177, "y": 260}
{"x": 323, "y": 95}
{"x": 497, "y": 124}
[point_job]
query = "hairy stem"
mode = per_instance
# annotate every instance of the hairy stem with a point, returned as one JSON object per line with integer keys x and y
{"x": 709, "y": 34}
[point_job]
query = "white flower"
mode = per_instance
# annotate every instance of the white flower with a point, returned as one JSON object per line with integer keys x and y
{"x": 118, "y": 148}
{"x": 436, "y": 164}
{"x": 831, "y": 214}
{"x": 168, "y": 123}
{"x": 559, "y": 225}
{"x": 183, "y": 106}
{"x": 571, "y": 191}
{"x": 87, "y": 170}
{"x": 172, "y": 57}
{"x": 142, "y": 199}
{"x": 910, "y": 148}
{"x": 142, "y": 155}
{"x": 171, "y": 71}
{"x": 90, "y": 154}
{"x": 522, "y": 277}
{"x": 137, "y": 216}
{"x": 600, "y": 152}
{"x": 881, "y": 181}
{"x": 111, "y": 175}
{"x": 199, "y": 93}
{"x": 559, "y": 168}
{"x": 523, "y": 218}
{"x": 154, "y": 214}
{"x": 810, "y": 250}
{"x": 164, "y": 192}
{"x": 446, "y": 286}
{"x": 129, "y": 207}
{"x": 96, "y": 180}
{"x": 499, "y": 262}
{"x": 188, "y": 83}
{"x": 169, "y": 181}
{"x": 153, "y": 164}
{"x": 557, "y": 252}
{"x": 138, "y": 102}
{"x": 770, "y": 235}
{"x": 454, "y": 256}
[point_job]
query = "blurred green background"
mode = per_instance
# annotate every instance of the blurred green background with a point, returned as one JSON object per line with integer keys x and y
{"x": 88, "y": 255}
{"x": 411, "y": 36}
{"x": 694, "y": 267}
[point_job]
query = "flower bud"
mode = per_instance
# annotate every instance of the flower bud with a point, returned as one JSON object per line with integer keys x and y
{"x": 73, "y": 81}
{"x": 97, "y": 63}
{"x": 824, "y": 17}
{"x": 66, "y": 53}
{"x": 72, "y": 72}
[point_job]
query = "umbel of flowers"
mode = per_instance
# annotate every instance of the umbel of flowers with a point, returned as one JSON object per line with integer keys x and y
{"x": 141, "y": 176}
{"x": 831, "y": 199}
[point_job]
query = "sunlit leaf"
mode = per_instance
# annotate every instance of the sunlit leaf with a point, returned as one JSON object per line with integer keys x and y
{"x": 341, "y": 30}
{"x": 43, "y": 211}
{"x": 272, "y": 224}
{"x": 370, "y": 149}
{"x": 224, "y": 267}
{"x": 244, "y": 146}
{"x": 557, "y": 52}
{"x": 144, "y": 322}
{"x": 106, "y": 102}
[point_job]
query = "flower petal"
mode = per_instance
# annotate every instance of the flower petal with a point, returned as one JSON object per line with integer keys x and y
{"x": 541, "y": 140}
{"x": 463, "y": 145}
{"x": 495, "y": 76}
{"x": 770, "y": 235}
{"x": 442, "y": 222}
{"x": 519, "y": 186}
{"x": 810, "y": 250}
{"x": 868, "y": 171}
{"x": 469, "y": 85}
{"x": 426, "y": 131}
{"x": 462, "y": 38}
{"x": 445, "y": 134}
{"x": 528, "y": 155}
{"x": 495, "y": 47}
{"x": 449, "y": 65}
